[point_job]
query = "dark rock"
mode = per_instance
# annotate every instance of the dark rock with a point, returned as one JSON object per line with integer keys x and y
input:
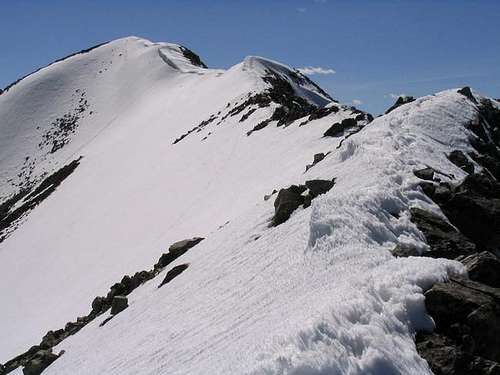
{"x": 98, "y": 304}
{"x": 39, "y": 362}
{"x": 442, "y": 193}
{"x": 475, "y": 210}
{"x": 444, "y": 240}
{"x": 180, "y": 247}
{"x": 446, "y": 358}
{"x": 491, "y": 163}
{"x": 483, "y": 267}
{"x": 425, "y": 173}
{"x": 316, "y": 159}
{"x": 399, "y": 102}
{"x": 174, "y": 272}
{"x": 119, "y": 304}
{"x": 192, "y": 57}
{"x": 318, "y": 187}
{"x": 176, "y": 250}
{"x": 466, "y": 91}
{"x": 52, "y": 338}
{"x": 458, "y": 158}
{"x": 287, "y": 201}
{"x": 428, "y": 188}
{"x": 73, "y": 327}
{"x": 462, "y": 306}
{"x": 339, "y": 127}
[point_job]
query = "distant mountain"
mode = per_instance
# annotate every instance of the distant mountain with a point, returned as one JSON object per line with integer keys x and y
{"x": 308, "y": 230}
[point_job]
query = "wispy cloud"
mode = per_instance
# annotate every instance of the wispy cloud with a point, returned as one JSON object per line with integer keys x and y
{"x": 301, "y": 10}
{"x": 357, "y": 102}
{"x": 310, "y": 70}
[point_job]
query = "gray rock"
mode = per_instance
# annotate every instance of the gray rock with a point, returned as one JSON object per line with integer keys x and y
{"x": 287, "y": 201}
{"x": 318, "y": 187}
{"x": 180, "y": 247}
{"x": 39, "y": 362}
{"x": 425, "y": 173}
{"x": 458, "y": 158}
{"x": 483, "y": 267}
{"x": 443, "y": 239}
{"x": 173, "y": 273}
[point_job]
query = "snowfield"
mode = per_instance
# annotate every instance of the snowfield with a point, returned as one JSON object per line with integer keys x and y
{"x": 318, "y": 294}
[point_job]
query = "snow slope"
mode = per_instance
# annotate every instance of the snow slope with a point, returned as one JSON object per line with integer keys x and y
{"x": 318, "y": 294}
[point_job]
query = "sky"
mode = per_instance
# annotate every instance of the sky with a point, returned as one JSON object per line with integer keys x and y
{"x": 363, "y": 52}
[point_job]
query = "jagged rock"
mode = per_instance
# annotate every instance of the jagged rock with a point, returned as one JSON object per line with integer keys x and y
{"x": 119, "y": 304}
{"x": 39, "y": 362}
{"x": 316, "y": 159}
{"x": 464, "y": 307}
{"x": 174, "y": 272}
{"x": 52, "y": 338}
{"x": 475, "y": 210}
{"x": 425, "y": 173}
{"x": 176, "y": 250}
{"x": 428, "y": 188}
{"x": 444, "y": 240}
{"x": 446, "y": 358}
{"x": 492, "y": 164}
{"x": 73, "y": 327}
{"x": 98, "y": 304}
{"x": 458, "y": 158}
{"x": 466, "y": 91}
{"x": 483, "y": 267}
{"x": 399, "y": 102}
{"x": 287, "y": 201}
{"x": 318, "y": 187}
{"x": 339, "y": 127}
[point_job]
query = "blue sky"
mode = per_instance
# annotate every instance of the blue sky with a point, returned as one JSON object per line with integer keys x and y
{"x": 376, "y": 48}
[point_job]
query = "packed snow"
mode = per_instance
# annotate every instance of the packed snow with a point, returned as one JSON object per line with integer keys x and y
{"x": 318, "y": 294}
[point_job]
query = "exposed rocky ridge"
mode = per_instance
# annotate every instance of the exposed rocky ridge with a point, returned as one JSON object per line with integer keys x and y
{"x": 40, "y": 356}
{"x": 16, "y": 207}
{"x": 399, "y": 102}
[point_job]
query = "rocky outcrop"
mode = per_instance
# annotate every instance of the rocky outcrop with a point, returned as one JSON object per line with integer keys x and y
{"x": 339, "y": 128}
{"x": 399, "y": 102}
{"x": 316, "y": 159}
{"x": 115, "y": 300}
{"x": 467, "y": 335}
{"x": 443, "y": 239}
{"x": 173, "y": 273}
{"x": 119, "y": 304}
{"x": 483, "y": 267}
{"x": 40, "y": 361}
{"x": 291, "y": 198}
{"x": 458, "y": 158}
{"x": 27, "y": 199}
{"x": 425, "y": 173}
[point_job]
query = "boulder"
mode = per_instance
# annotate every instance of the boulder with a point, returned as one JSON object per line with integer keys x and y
{"x": 318, "y": 187}
{"x": 52, "y": 338}
{"x": 404, "y": 99}
{"x": 39, "y": 362}
{"x": 173, "y": 273}
{"x": 287, "y": 201}
{"x": 446, "y": 358}
{"x": 176, "y": 250}
{"x": 119, "y": 304}
{"x": 425, "y": 173}
{"x": 339, "y": 127}
{"x": 443, "y": 239}
{"x": 483, "y": 267}
{"x": 404, "y": 250}
{"x": 463, "y": 307}
{"x": 458, "y": 158}
{"x": 98, "y": 304}
{"x": 316, "y": 159}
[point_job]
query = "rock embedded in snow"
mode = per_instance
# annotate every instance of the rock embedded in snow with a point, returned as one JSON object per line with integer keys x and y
{"x": 340, "y": 127}
{"x": 404, "y": 99}
{"x": 318, "y": 187}
{"x": 173, "y": 273}
{"x": 287, "y": 201}
{"x": 483, "y": 267}
{"x": 443, "y": 239}
{"x": 458, "y": 158}
{"x": 40, "y": 361}
{"x": 119, "y": 304}
{"x": 466, "y": 91}
{"x": 425, "y": 173}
